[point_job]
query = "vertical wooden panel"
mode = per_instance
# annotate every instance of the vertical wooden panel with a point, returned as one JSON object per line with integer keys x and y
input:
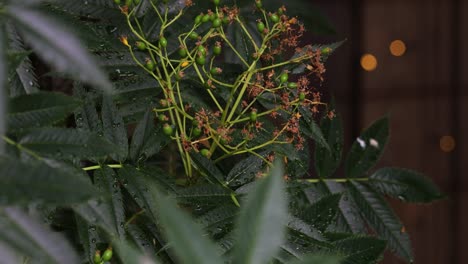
{"x": 462, "y": 141}
{"x": 414, "y": 88}
{"x": 418, "y": 91}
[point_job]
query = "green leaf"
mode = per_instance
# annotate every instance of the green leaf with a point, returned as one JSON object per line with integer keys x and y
{"x": 161, "y": 177}
{"x": 66, "y": 143}
{"x": 153, "y": 144}
{"x": 141, "y": 238}
{"x": 381, "y": 218}
{"x": 39, "y": 109}
{"x": 406, "y": 185}
{"x": 137, "y": 183}
{"x": 36, "y": 182}
{"x": 323, "y": 212}
{"x": 56, "y": 45}
{"x": 96, "y": 9}
{"x": 98, "y": 214}
{"x": 106, "y": 180}
{"x": 348, "y": 218}
{"x": 86, "y": 116}
{"x": 298, "y": 161}
{"x": 88, "y": 236}
{"x": 240, "y": 42}
{"x": 261, "y": 225}
{"x": 219, "y": 217}
{"x": 25, "y": 236}
{"x": 3, "y": 85}
{"x": 144, "y": 130}
{"x": 360, "y": 249}
{"x": 207, "y": 168}
{"x": 114, "y": 129}
{"x": 204, "y": 194}
{"x": 15, "y": 58}
{"x": 128, "y": 254}
{"x": 246, "y": 170}
{"x": 367, "y": 149}
{"x": 24, "y": 81}
{"x": 326, "y": 162}
{"x": 311, "y": 129}
{"x": 181, "y": 231}
{"x": 299, "y": 229}
{"x": 319, "y": 259}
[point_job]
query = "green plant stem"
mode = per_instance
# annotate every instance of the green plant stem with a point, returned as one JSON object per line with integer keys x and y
{"x": 21, "y": 148}
{"x": 97, "y": 167}
{"x": 134, "y": 216}
{"x": 295, "y": 60}
{"x": 339, "y": 180}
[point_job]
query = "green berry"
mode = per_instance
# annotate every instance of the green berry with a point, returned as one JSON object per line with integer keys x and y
{"x": 163, "y": 42}
{"x": 261, "y": 27}
{"x": 97, "y": 257}
{"x": 292, "y": 85}
{"x": 183, "y": 52}
{"x": 107, "y": 254}
{"x": 162, "y": 117}
{"x": 193, "y": 35}
{"x": 217, "y": 23}
{"x": 150, "y": 65}
{"x": 129, "y": 3}
{"x": 280, "y": 11}
{"x": 216, "y": 2}
{"x": 198, "y": 19}
{"x": 117, "y": 2}
{"x": 258, "y": 4}
{"x": 302, "y": 96}
{"x": 167, "y": 129}
{"x": 205, "y": 152}
{"x": 225, "y": 20}
{"x": 200, "y": 60}
{"x": 274, "y": 18}
{"x": 216, "y": 71}
{"x": 196, "y": 132}
{"x": 201, "y": 50}
{"x": 141, "y": 45}
{"x": 284, "y": 77}
{"x": 253, "y": 116}
{"x": 212, "y": 16}
{"x": 217, "y": 50}
{"x": 326, "y": 50}
{"x": 205, "y": 18}
{"x": 178, "y": 76}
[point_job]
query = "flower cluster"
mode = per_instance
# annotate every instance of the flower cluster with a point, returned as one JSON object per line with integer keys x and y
{"x": 245, "y": 112}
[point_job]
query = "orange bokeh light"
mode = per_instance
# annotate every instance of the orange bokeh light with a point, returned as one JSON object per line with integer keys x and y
{"x": 369, "y": 62}
{"x": 397, "y": 48}
{"x": 447, "y": 143}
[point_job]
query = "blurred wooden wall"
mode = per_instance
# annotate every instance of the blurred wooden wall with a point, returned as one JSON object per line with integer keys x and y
{"x": 426, "y": 93}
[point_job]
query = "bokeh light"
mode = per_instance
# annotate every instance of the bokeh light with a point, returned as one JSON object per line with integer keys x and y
{"x": 369, "y": 62}
{"x": 447, "y": 143}
{"x": 397, "y": 48}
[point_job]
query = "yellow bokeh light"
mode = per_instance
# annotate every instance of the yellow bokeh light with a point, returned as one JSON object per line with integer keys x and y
{"x": 397, "y": 48}
{"x": 447, "y": 143}
{"x": 368, "y": 62}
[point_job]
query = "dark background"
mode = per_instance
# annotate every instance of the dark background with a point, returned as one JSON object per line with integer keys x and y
{"x": 425, "y": 93}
